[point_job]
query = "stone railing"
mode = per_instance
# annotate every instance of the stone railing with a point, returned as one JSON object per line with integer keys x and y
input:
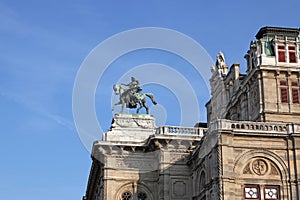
{"x": 178, "y": 130}
{"x": 248, "y": 126}
{"x": 255, "y": 126}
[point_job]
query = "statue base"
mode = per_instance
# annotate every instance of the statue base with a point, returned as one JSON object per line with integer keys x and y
{"x": 130, "y": 128}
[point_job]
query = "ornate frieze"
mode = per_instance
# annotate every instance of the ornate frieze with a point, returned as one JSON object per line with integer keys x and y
{"x": 260, "y": 167}
{"x": 122, "y": 120}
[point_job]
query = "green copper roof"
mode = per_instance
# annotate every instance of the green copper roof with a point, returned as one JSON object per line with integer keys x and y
{"x": 269, "y": 30}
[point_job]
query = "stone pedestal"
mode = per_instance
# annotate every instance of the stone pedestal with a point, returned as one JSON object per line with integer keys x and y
{"x": 139, "y": 159}
{"x": 130, "y": 128}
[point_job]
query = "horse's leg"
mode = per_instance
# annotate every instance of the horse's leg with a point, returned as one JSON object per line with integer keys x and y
{"x": 120, "y": 102}
{"x": 146, "y": 107}
{"x": 122, "y": 109}
{"x": 143, "y": 101}
{"x": 139, "y": 108}
{"x": 113, "y": 107}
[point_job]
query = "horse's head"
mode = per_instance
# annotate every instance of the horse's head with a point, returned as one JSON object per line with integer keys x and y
{"x": 116, "y": 88}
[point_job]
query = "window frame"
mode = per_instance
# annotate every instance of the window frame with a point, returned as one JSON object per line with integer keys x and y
{"x": 284, "y": 92}
{"x": 281, "y": 53}
{"x": 295, "y": 92}
{"x": 291, "y": 52}
{"x": 277, "y": 187}
{"x": 252, "y": 186}
{"x": 142, "y": 195}
{"x": 123, "y": 197}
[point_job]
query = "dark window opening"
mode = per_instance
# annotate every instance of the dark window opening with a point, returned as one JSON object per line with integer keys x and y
{"x": 292, "y": 54}
{"x": 142, "y": 196}
{"x": 295, "y": 92}
{"x": 126, "y": 196}
{"x": 284, "y": 92}
{"x": 281, "y": 53}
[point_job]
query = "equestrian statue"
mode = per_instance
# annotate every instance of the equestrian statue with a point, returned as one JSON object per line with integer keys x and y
{"x": 130, "y": 95}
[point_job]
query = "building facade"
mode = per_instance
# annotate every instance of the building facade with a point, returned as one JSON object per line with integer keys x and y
{"x": 250, "y": 148}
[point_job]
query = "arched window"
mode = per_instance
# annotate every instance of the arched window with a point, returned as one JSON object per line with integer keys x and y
{"x": 142, "y": 196}
{"x": 133, "y": 191}
{"x": 256, "y": 175}
{"x": 126, "y": 196}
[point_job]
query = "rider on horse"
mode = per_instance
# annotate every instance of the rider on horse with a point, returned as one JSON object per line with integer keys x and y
{"x": 134, "y": 92}
{"x": 131, "y": 95}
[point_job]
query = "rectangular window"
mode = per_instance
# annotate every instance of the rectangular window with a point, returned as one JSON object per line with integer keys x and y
{"x": 271, "y": 192}
{"x": 283, "y": 83}
{"x": 251, "y": 192}
{"x": 294, "y": 84}
{"x": 292, "y": 54}
{"x": 284, "y": 95}
{"x": 295, "y": 92}
{"x": 284, "y": 91}
{"x": 281, "y": 53}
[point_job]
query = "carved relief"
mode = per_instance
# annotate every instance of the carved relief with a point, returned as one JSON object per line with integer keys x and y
{"x": 143, "y": 123}
{"x": 129, "y": 121}
{"x": 259, "y": 167}
{"x": 125, "y": 123}
{"x": 177, "y": 157}
{"x": 247, "y": 169}
{"x": 121, "y": 163}
{"x": 273, "y": 171}
{"x": 157, "y": 144}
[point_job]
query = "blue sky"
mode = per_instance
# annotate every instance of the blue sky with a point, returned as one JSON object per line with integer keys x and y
{"x": 43, "y": 44}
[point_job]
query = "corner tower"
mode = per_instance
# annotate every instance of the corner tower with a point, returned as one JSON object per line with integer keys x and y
{"x": 269, "y": 91}
{"x": 273, "y": 70}
{"x": 251, "y": 149}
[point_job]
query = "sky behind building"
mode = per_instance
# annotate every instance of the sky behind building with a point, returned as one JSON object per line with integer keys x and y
{"x": 44, "y": 43}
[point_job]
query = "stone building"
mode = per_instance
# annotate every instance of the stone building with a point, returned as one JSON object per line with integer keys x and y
{"x": 250, "y": 148}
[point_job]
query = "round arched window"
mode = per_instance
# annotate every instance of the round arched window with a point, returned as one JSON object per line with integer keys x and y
{"x": 126, "y": 196}
{"x": 142, "y": 196}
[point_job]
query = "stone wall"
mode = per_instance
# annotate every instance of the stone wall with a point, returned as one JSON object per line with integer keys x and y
{"x": 246, "y": 154}
{"x": 140, "y": 160}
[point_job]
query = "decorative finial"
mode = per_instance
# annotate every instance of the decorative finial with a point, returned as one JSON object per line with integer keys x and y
{"x": 221, "y": 65}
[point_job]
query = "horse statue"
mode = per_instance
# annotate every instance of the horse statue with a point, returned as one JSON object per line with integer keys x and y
{"x": 131, "y": 97}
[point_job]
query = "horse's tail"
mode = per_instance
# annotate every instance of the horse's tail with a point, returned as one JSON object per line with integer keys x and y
{"x": 151, "y": 97}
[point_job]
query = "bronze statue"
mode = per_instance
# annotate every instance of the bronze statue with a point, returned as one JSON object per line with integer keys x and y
{"x": 131, "y": 94}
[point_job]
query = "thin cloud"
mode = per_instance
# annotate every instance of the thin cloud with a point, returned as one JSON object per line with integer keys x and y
{"x": 38, "y": 109}
{"x": 62, "y": 121}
